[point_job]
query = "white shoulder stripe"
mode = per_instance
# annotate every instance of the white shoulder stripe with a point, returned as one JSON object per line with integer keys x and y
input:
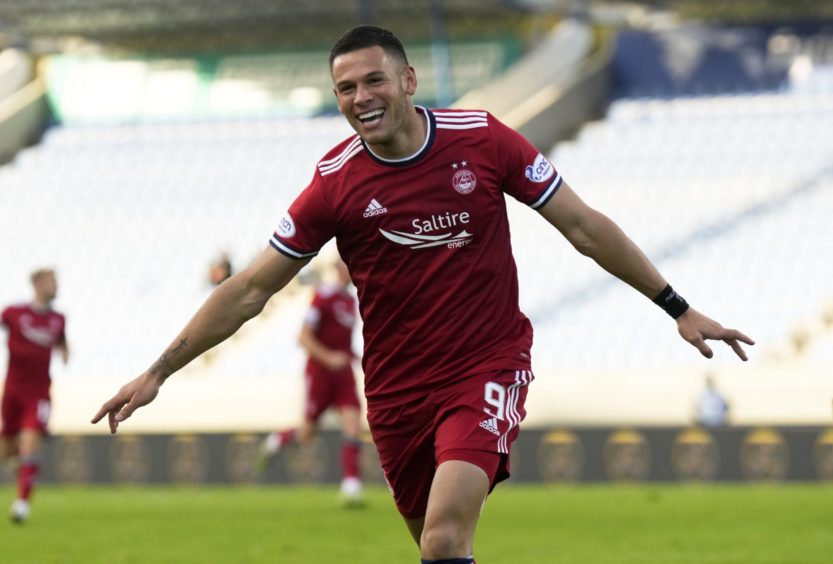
{"x": 462, "y": 120}
{"x": 460, "y": 125}
{"x": 547, "y": 193}
{"x": 347, "y": 149}
{"x": 337, "y": 166}
{"x": 287, "y": 251}
{"x": 457, "y": 114}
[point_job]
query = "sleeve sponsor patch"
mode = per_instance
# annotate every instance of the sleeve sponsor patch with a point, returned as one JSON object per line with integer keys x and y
{"x": 541, "y": 170}
{"x": 286, "y": 227}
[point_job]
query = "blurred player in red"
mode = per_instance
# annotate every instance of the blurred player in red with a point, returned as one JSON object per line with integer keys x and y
{"x": 34, "y": 330}
{"x": 327, "y": 336}
{"x": 416, "y": 201}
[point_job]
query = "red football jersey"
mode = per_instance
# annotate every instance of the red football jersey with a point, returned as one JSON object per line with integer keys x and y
{"x": 32, "y": 336}
{"x": 426, "y": 240}
{"x": 332, "y": 317}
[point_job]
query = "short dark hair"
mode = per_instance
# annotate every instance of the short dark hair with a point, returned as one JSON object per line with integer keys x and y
{"x": 41, "y": 273}
{"x": 363, "y": 36}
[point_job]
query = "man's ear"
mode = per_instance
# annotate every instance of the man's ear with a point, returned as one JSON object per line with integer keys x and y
{"x": 409, "y": 80}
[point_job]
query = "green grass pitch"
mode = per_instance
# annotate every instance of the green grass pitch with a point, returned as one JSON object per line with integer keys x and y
{"x": 521, "y": 524}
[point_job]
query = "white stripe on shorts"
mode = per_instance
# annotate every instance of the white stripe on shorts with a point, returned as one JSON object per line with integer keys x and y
{"x": 522, "y": 378}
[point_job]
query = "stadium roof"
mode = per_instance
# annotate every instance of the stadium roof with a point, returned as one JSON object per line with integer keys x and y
{"x": 200, "y": 25}
{"x": 166, "y": 25}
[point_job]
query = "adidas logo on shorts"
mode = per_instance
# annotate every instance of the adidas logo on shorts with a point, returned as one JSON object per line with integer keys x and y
{"x": 374, "y": 208}
{"x": 490, "y": 425}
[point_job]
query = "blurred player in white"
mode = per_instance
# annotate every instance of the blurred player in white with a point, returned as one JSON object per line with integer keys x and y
{"x": 35, "y": 329}
{"x": 712, "y": 407}
{"x": 326, "y": 336}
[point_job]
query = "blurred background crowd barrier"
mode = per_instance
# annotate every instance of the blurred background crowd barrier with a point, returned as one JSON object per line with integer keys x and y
{"x": 561, "y": 455}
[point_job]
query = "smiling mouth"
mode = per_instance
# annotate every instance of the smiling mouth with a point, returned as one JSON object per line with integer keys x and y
{"x": 371, "y": 117}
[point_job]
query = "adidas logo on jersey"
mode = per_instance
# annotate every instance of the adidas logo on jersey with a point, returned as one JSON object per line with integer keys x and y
{"x": 374, "y": 208}
{"x": 490, "y": 425}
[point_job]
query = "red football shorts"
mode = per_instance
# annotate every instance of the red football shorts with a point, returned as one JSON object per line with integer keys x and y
{"x": 331, "y": 389}
{"x": 24, "y": 410}
{"x": 475, "y": 420}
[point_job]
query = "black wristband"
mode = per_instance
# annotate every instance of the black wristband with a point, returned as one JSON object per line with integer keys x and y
{"x": 672, "y": 302}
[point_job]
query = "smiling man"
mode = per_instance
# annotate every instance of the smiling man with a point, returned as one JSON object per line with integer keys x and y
{"x": 415, "y": 201}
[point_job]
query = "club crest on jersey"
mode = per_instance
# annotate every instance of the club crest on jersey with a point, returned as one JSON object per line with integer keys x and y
{"x": 286, "y": 227}
{"x": 541, "y": 170}
{"x": 464, "y": 180}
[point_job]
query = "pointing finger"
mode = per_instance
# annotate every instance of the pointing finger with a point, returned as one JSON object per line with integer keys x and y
{"x": 704, "y": 349}
{"x": 99, "y": 414}
{"x": 105, "y": 408}
{"x": 737, "y": 348}
{"x": 111, "y": 419}
{"x": 735, "y": 335}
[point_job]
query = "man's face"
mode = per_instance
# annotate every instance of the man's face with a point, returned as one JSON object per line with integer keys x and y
{"x": 373, "y": 92}
{"x": 46, "y": 286}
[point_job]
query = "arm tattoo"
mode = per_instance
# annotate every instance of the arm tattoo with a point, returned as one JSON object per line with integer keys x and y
{"x": 163, "y": 366}
{"x": 182, "y": 344}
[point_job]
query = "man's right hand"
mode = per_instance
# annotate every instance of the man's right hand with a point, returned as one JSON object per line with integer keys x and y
{"x": 130, "y": 397}
{"x": 696, "y": 328}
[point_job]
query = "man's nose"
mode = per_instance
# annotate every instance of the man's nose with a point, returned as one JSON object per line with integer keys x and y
{"x": 363, "y": 94}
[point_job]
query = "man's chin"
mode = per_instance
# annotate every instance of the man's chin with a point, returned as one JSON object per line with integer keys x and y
{"x": 374, "y": 137}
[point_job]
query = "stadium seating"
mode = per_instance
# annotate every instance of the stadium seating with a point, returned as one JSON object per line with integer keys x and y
{"x": 132, "y": 216}
{"x": 729, "y": 195}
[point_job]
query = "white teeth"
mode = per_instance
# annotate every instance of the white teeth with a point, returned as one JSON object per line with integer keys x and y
{"x": 371, "y": 114}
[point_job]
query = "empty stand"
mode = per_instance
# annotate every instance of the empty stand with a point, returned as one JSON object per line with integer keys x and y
{"x": 731, "y": 196}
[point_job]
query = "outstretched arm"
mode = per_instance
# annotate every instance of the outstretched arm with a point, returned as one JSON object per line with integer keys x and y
{"x": 229, "y": 306}
{"x": 593, "y": 234}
